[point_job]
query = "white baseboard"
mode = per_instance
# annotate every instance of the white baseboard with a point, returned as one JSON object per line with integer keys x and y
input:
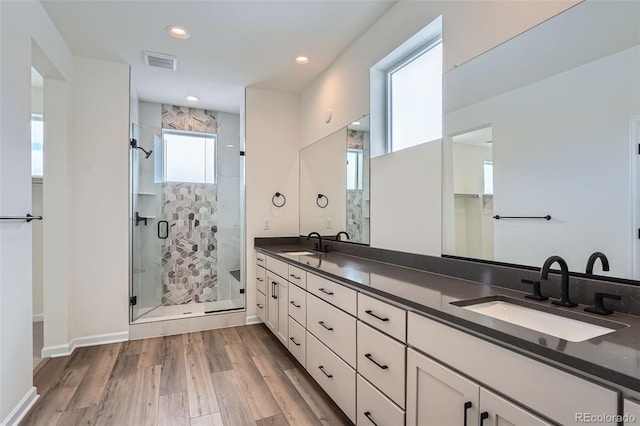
{"x": 253, "y": 320}
{"x": 38, "y": 317}
{"x": 21, "y": 410}
{"x": 80, "y": 342}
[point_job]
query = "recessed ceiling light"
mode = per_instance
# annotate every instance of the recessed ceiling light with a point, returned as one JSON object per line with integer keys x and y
{"x": 178, "y": 32}
{"x": 302, "y": 60}
{"x": 355, "y": 123}
{"x": 192, "y": 98}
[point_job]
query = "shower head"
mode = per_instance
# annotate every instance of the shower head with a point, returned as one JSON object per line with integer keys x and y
{"x": 134, "y": 144}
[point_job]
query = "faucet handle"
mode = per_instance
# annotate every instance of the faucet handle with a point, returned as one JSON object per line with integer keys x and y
{"x": 598, "y": 303}
{"x": 536, "y": 295}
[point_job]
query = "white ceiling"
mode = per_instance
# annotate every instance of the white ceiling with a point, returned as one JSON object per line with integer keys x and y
{"x": 233, "y": 44}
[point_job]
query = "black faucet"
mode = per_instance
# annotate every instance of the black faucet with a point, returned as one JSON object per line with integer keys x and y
{"x": 592, "y": 260}
{"x": 340, "y": 233}
{"x": 564, "y": 269}
{"x": 319, "y": 243}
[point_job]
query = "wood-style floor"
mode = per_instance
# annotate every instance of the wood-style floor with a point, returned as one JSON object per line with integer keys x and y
{"x": 232, "y": 376}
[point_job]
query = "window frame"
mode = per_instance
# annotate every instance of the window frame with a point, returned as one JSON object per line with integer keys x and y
{"x": 397, "y": 66}
{"x": 188, "y": 133}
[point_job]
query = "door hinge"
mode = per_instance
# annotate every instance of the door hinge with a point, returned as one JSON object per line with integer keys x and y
{"x": 242, "y": 291}
{"x": 133, "y": 300}
{"x": 242, "y": 153}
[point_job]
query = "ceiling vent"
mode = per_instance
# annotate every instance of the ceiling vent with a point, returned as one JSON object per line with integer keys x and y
{"x": 160, "y": 60}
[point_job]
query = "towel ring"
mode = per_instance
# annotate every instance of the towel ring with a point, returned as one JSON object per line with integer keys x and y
{"x": 278, "y": 195}
{"x": 320, "y": 197}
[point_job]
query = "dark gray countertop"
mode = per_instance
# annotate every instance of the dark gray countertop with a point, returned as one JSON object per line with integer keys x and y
{"x": 612, "y": 359}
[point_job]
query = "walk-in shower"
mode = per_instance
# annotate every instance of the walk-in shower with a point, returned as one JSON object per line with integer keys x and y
{"x": 185, "y": 215}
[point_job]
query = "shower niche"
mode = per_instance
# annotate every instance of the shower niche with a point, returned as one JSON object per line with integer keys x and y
{"x": 185, "y": 215}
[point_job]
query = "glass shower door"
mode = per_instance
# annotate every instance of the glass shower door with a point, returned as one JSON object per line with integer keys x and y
{"x": 146, "y": 225}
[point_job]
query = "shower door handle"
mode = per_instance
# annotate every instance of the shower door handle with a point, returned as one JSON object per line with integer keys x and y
{"x": 161, "y": 235}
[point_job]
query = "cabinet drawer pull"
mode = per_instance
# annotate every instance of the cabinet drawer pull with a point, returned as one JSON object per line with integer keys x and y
{"x": 294, "y": 342}
{"x": 370, "y": 312}
{"x": 483, "y": 416}
{"x": 370, "y": 358}
{"x": 321, "y": 367}
{"x": 467, "y": 405}
{"x": 294, "y": 304}
{"x": 260, "y": 279}
{"x": 260, "y": 306}
{"x": 295, "y": 277}
{"x": 260, "y": 260}
{"x": 330, "y": 293}
{"x": 325, "y": 326}
{"x": 367, "y": 414}
{"x": 274, "y": 290}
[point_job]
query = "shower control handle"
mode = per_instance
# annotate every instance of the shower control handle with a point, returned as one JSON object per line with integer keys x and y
{"x": 161, "y": 235}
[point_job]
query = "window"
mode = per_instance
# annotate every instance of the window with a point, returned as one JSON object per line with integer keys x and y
{"x": 414, "y": 98}
{"x": 488, "y": 177}
{"x": 354, "y": 168}
{"x": 37, "y": 140}
{"x": 189, "y": 157}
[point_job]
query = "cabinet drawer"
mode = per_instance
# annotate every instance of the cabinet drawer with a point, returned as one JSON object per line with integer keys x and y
{"x": 260, "y": 259}
{"x": 382, "y": 361}
{"x": 297, "y": 342}
{"x": 297, "y": 276}
{"x": 383, "y": 316}
{"x": 261, "y": 283}
{"x": 333, "y": 327}
{"x": 375, "y": 408}
{"x": 333, "y": 375}
{"x": 261, "y": 306}
{"x": 277, "y": 266}
{"x": 334, "y": 293}
{"x": 298, "y": 304}
{"x": 505, "y": 371}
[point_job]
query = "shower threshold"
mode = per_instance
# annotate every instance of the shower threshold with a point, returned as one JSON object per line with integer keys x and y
{"x": 189, "y": 310}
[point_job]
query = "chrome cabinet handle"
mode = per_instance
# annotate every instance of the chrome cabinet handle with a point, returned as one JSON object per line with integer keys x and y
{"x": 325, "y": 326}
{"x": 294, "y": 342}
{"x": 294, "y": 304}
{"x": 321, "y": 367}
{"x": 330, "y": 293}
{"x": 370, "y": 312}
{"x": 370, "y": 358}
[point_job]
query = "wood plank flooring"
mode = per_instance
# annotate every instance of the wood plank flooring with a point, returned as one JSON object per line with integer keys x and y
{"x": 233, "y": 377}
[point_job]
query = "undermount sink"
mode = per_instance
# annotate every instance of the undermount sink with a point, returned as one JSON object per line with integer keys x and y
{"x": 299, "y": 253}
{"x": 536, "y": 318}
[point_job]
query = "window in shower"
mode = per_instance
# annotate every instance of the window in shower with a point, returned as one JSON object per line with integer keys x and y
{"x": 189, "y": 157}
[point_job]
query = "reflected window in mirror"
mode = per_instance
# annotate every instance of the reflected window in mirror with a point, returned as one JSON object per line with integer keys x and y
{"x": 414, "y": 93}
{"x": 354, "y": 169}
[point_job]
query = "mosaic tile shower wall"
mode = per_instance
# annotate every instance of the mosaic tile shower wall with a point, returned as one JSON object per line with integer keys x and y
{"x": 189, "y": 119}
{"x": 354, "y": 215}
{"x": 190, "y": 252}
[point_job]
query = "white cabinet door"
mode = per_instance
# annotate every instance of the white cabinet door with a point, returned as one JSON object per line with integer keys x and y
{"x": 497, "y": 411}
{"x": 438, "y": 396}
{"x": 631, "y": 412}
{"x": 282, "y": 297}
{"x": 277, "y": 318}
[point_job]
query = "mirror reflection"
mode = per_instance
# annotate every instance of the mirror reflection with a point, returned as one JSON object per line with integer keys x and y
{"x": 547, "y": 124}
{"x": 334, "y": 184}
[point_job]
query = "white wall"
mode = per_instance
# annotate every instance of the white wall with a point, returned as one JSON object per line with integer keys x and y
{"x": 272, "y": 140}
{"x": 561, "y": 147}
{"x": 23, "y": 25}
{"x": 100, "y": 198}
{"x": 323, "y": 171}
{"x": 411, "y": 176}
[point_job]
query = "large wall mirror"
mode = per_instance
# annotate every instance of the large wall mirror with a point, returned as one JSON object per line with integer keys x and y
{"x": 541, "y": 144}
{"x": 334, "y": 184}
